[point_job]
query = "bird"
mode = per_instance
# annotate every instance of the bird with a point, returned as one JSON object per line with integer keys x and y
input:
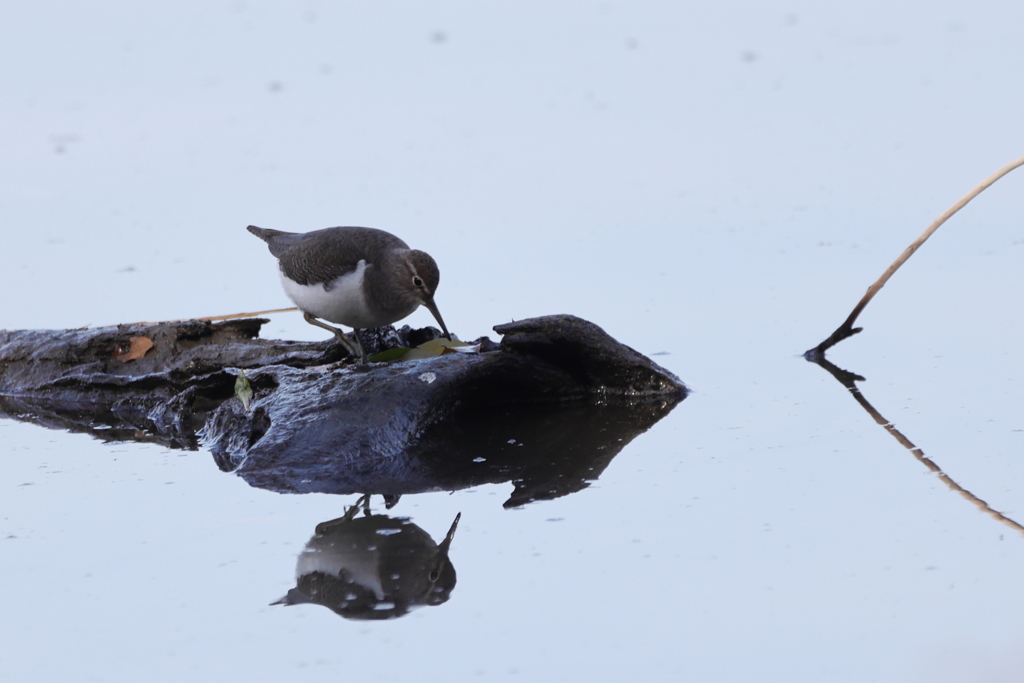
{"x": 352, "y": 276}
{"x": 373, "y": 566}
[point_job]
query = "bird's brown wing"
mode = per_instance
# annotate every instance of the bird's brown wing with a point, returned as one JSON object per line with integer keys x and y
{"x": 313, "y": 257}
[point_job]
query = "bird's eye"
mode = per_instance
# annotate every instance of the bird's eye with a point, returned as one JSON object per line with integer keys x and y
{"x": 416, "y": 280}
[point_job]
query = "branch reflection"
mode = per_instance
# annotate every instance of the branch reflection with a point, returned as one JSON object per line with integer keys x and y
{"x": 848, "y": 380}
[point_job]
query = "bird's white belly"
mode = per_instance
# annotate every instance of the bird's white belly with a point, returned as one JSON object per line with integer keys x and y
{"x": 343, "y": 556}
{"x": 343, "y": 302}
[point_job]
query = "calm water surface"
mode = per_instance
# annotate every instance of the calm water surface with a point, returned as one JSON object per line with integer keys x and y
{"x": 715, "y": 186}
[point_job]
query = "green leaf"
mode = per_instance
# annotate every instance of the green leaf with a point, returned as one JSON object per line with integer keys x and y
{"x": 430, "y": 349}
{"x": 434, "y": 348}
{"x": 243, "y": 390}
{"x": 389, "y": 355}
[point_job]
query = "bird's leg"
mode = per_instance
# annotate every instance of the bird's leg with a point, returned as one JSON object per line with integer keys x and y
{"x": 353, "y": 349}
{"x": 350, "y": 514}
{"x": 359, "y": 343}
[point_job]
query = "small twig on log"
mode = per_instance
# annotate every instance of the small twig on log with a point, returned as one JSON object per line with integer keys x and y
{"x": 847, "y": 329}
{"x": 211, "y": 318}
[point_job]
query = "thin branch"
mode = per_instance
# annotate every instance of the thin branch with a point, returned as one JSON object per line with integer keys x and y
{"x": 847, "y": 329}
{"x": 847, "y": 379}
{"x": 211, "y": 318}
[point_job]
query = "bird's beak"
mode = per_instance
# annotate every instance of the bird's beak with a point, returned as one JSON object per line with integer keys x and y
{"x": 432, "y": 307}
{"x": 447, "y": 542}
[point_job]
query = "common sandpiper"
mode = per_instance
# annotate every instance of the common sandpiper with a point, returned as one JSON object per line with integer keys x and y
{"x": 358, "y": 277}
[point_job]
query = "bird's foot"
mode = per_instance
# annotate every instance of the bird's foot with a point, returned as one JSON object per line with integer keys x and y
{"x": 354, "y": 348}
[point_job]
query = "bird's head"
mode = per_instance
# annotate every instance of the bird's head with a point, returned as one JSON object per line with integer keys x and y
{"x": 421, "y": 280}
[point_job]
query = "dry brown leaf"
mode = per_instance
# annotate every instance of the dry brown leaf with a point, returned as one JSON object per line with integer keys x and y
{"x": 138, "y": 347}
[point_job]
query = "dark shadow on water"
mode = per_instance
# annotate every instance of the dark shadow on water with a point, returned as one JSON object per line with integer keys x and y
{"x": 372, "y": 566}
{"x": 123, "y": 423}
{"x": 546, "y": 451}
{"x": 849, "y": 380}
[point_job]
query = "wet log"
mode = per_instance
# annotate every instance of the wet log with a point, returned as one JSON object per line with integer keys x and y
{"x": 89, "y": 380}
{"x": 547, "y": 407}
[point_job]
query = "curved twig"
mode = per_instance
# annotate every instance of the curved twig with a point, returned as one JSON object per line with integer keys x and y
{"x": 847, "y": 329}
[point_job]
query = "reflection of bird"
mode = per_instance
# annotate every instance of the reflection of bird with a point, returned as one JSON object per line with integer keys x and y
{"x": 372, "y": 567}
{"x": 359, "y": 277}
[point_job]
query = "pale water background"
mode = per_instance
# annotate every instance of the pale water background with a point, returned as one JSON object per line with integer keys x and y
{"x": 715, "y": 182}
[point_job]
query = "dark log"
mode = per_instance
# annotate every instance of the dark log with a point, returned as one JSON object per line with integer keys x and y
{"x": 547, "y": 408}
